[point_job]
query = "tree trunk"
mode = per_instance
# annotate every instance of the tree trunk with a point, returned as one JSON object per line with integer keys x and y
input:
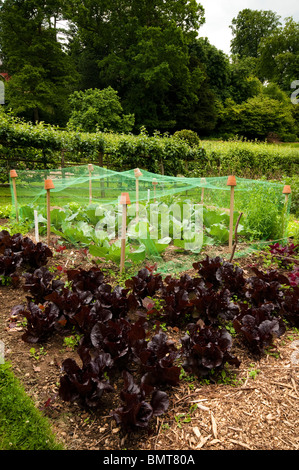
{"x": 35, "y": 115}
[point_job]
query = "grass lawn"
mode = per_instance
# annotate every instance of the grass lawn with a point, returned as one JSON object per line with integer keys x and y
{"x": 22, "y": 426}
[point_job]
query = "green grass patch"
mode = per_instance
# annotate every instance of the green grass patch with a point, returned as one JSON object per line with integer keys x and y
{"x": 22, "y": 425}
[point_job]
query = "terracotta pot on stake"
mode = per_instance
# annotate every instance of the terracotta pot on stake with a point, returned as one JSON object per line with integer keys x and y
{"x": 48, "y": 186}
{"x": 287, "y": 191}
{"x": 124, "y": 201}
{"x": 13, "y": 175}
{"x": 231, "y": 181}
{"x": 90, "y": 169}
{"x": 137, "y": 174}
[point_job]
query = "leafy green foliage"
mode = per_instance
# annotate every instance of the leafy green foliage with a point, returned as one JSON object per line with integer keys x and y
{"x": 98, "y": 110}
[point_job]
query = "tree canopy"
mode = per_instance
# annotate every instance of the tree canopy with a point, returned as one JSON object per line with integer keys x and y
{"x": 126, "y": 65}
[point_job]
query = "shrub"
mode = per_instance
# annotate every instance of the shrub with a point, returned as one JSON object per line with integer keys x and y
{"x": 189, "y": 136}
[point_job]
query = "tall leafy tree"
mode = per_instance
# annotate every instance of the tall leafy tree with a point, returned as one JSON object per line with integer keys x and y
{"x": 101, "y": 110}
{"x": 279, "y": 55}
{"x": 41, "y": 73}
{"x": 249, "y": 28}
{"x": 140, "y": 49}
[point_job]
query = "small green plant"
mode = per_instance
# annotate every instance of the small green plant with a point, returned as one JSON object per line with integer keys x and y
{"x": 72, "y": 342}
{"x": 189, "y": 378}
{"x": 5, "y": 280}
{"x": 36, "y": 355}
{"x": 185, "y": 417}
{"x": 253, "y": 373}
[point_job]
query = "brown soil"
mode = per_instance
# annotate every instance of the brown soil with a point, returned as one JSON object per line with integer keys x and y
{"x": 259, "y": 411}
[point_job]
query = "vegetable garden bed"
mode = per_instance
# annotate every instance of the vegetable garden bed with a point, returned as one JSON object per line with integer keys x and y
{"x": 246, "y": 399}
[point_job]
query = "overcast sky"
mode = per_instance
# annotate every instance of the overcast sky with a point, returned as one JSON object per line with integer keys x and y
{"x": 219, "y": 15}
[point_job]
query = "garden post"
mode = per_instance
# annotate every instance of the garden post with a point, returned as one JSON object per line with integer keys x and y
{"x": 286, "y": 191}
{"x": 203, "y": 181}
{"x": 155, "y": 182}
{"x": 137, "y": 174}
{"x": 232, "y": 183}
{"x": 124, "y": 201}
{"x": 48, "y": 186}
{"x": 36, "y": 226}
{"x": 13, "y": 175}
{"x": 90, "y": 169}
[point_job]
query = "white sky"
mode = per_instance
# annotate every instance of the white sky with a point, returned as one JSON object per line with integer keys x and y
{"x": 219, "y": 15}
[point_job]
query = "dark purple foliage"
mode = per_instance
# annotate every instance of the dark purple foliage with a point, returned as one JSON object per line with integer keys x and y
{"x": 289, "y": 306}
{"x": 118, "y": 337}
{"x": 258, "y": 327}
{"x": 41, "y": 283}
{"x": 144, "y": 284}
{"x": 294, "y": 277}
{"x": 136, "y": 413}
{"x": 284, "y": 253}
{"x": 266, "y": 287}
{"x": 83, "y": 280}
{"x": 156, "y": 358}
{"x": 41, "y": 320}
{"x": 86, "y": 385}
{"x": 116, "y": 300}
{"x": 206, "y": 350}
{"x": 220, "y": 273}
{"x": 17, "y": 251}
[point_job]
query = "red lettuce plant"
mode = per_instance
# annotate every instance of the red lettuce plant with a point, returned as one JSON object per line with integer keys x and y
{"x": 86, "y": 385}
{"x": 258, "y": 327}
{"x": 206, "y": 350}
{"x": 136, "y": 412}
{"x": 156, "y": 358}
{"x": 40, "y": 284}
{"x": 41, "y": 320}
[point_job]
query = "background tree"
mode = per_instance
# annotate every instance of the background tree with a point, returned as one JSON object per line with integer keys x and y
{"x": 41, "y": 73}
{"x": 279, "y": 55}
{"x": 98, "y": 110}
{"x": 142, "y": 52}
{"x": 257, "y": 117}
{"x": 249, "y": 28}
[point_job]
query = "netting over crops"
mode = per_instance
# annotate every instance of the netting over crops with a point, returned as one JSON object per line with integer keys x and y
{"x": 165, "y": 212}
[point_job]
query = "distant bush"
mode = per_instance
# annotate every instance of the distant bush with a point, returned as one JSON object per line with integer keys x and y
{"x": 189, "y": 136}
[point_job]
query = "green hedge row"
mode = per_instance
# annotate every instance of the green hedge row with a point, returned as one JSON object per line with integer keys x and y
{"x": 25, "y": 145}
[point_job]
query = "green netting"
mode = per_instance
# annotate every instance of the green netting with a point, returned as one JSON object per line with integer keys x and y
{"x": 172, "y": 221}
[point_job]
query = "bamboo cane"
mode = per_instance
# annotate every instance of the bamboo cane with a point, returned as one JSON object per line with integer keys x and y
{"x": 232, "y": 183}
{"x": 286, "y": 191}
{"x": 124, "y": 201}
{"x": 48, "y": 186}
{"x": 13, "y": 175}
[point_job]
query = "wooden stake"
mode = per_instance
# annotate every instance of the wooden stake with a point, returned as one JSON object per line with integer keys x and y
{"x": 232, "y": 183}
{"x": 236, "y": 238}
{"x": 13, "y": 175}
{"x": 137, "y": 173}
{"x": 286, "y": 191}
{"x": 124, "y": 201}
{"x": 48, "y": 186}
{"x": 36, "y": 226}
{"x": 90, "y": 169}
